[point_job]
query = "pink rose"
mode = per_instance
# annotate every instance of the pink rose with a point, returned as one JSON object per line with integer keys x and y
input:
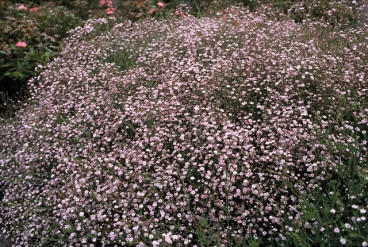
{"x": 151, "y": 11}
{"x": 102, "y": 3}
{"x": 110, "y": 11}
{"x": 35, "y": 9}
{"x": 21, "y": 44}
{"x": 22, "y": 7}
{"x": 160, "y": 5}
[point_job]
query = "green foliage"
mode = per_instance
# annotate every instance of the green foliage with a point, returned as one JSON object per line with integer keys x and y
{"x": 41, "y": 30}
{"x": 17, "y": 66}
{"x": 19, "y": 63}
{"x": 336, "y": 211}
{"x": 124, "y": 60}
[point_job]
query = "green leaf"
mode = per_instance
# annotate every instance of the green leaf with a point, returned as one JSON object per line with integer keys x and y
{"x": 6, "y": 65}
{"x": 17, "y": 74}
{"x": 5, "y": 52}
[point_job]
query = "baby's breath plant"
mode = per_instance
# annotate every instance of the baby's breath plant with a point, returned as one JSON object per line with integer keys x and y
{"x": 239, "y": 129}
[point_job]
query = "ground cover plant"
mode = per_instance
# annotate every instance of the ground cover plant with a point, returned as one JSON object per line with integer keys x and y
{"x": 32, "y": 31}
{"x": 243, "y": 128}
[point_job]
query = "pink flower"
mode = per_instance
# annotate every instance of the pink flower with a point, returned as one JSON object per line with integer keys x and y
{"x": 343, "y": 241}
{"x": 109, "y": 3}
{"x": 179, "y": 13}
{"x": 102, "y": 3}
{"x": 22, "y": 7}
{"x": 35, "y": 9}
{"x": 168, "y": 239}
{"x": 21, "y": 44}
{"x": 151, "y": 11}
{"x": 160, "y": 5}
{"x": 156, "y": 243}
{"x": 110, "y": 11}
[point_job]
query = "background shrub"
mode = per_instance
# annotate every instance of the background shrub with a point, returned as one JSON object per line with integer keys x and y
{"x": 42, "y": 31}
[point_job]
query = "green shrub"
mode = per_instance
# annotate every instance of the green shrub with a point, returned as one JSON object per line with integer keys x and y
{"x": 41, "y": 30}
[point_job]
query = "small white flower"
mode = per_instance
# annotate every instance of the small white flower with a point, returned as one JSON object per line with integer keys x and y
{"x": 364, "y": 244}
{"x": 347, "y": 225}
{"x": 156, "y": 243}
{"x": 332, "y": 211}
{"x": 168, "y": 238}
{"x": 343, "y": 241}
{"x": 336, "y": 230}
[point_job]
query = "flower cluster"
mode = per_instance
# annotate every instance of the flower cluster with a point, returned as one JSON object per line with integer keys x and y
{"x": 172, "y": 132}
{"x": 108, "y": 3}
{"x": 340, "y": 13}
{"x": 182, "y": 10}
{"x": 24, "y": 8}
{"x": 160, "y": 6}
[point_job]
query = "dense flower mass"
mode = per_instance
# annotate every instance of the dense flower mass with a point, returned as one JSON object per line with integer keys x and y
{"x": 141, "y": 134}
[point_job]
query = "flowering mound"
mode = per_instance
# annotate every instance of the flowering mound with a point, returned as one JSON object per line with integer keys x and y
{"x": 188, "y": 131}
